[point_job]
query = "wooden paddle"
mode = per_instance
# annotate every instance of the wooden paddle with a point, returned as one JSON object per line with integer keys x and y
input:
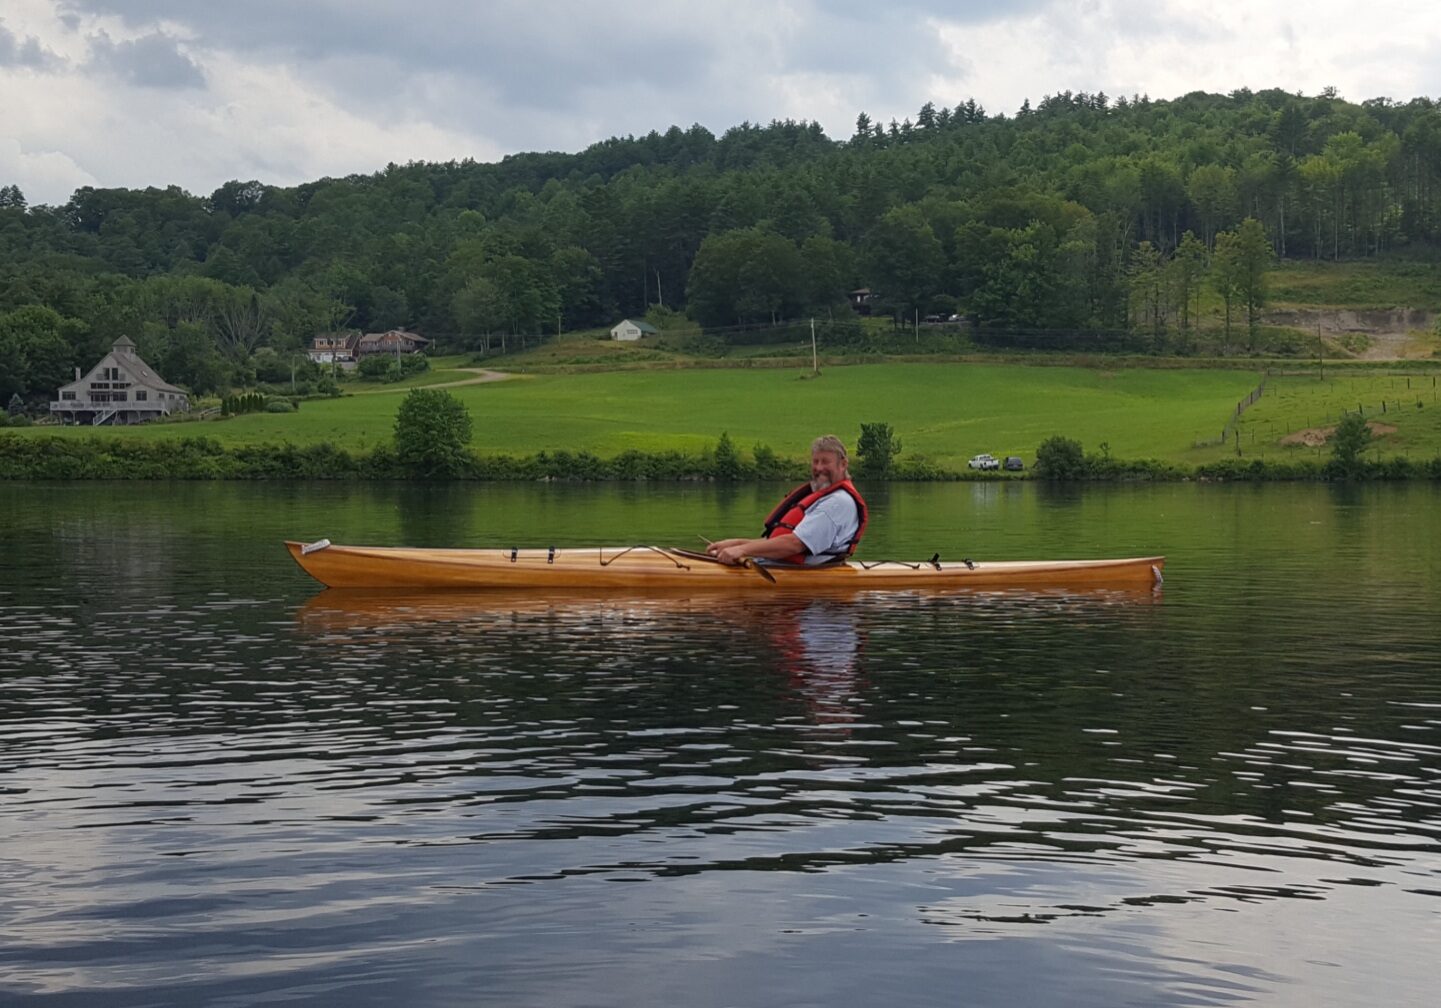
{"x": 746, "y": 562}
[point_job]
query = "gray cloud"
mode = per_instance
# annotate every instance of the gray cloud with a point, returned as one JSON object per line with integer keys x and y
{"x": 27, "y": 53}
{"x": 153, "y": 60}
{"x": 496, "y": 66}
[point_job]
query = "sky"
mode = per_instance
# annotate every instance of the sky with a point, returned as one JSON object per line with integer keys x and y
{"x": 140, "y": 93}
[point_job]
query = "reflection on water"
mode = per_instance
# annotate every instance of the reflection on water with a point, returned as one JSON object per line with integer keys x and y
{"x": 221, "y": 786}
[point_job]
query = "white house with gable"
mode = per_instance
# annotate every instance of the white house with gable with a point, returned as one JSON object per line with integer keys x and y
{"x": 628, "y": 330}
{"x": 121, "y": 389}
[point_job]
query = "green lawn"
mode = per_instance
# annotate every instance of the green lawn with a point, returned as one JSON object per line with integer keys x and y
{"x": 943, "y": 412}
{"x": 1411, "y": 404}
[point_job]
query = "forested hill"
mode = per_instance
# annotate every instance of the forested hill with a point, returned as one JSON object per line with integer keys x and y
{"x": 1039, "y": 219}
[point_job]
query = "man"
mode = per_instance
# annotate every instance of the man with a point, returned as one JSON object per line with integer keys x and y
{"x": 817, "y": 523}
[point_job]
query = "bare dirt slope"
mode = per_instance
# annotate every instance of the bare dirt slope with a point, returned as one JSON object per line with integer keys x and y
{"x": 1391, "y": 334}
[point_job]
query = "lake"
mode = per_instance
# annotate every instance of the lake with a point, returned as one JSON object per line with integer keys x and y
{"x": 220, "y": 785}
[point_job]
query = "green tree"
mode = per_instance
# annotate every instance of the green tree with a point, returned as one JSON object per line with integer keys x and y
{"x": 1253, "y": 257}
{"x": 1060, "y": 458}
{"x": 1212, "y": 190}
{"x": 1184, "y": 274}
{"x": 725, "y": 460}
{"x": 878, "y": 446}
{"x": 1227, "y": 276}
{"x": 432, "y": 429}
{"x": 1348, "y": 442}
{"x": 903, "y": 261}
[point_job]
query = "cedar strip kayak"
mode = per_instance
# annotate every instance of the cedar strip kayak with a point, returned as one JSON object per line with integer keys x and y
{"x": 644, "y": 567}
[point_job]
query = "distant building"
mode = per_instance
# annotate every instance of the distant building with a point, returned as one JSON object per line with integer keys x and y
{"x": 628, "y": 330}
{"x": 861, "y": 300}
{"x": 392, "y": 341}
{"x": 121, "y": 389}
{"x": 334, "y": 347}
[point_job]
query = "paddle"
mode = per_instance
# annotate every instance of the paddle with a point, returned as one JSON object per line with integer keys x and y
{"x": 745, "y": 562}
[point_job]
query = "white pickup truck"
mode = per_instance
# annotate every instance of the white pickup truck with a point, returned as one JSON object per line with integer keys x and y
{"x": 984, "y": 462}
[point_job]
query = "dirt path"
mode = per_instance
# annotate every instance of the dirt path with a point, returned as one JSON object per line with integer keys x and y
{"x": 481, "y": 375}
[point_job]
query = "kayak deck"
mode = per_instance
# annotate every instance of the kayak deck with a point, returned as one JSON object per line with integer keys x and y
{"x": 666, "y": 567}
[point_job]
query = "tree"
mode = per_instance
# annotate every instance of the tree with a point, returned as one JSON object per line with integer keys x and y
{"x": 1184, "y": 273}
{"x": 432, "y": 429}
{"x": 1348, "y": 441}
{"x": 1253, "y": 256}
{"x": 877, "y": 447}
{"x": 1144, "y": 273}
{"x": 36, "y": 351}
{"x": 1060, "y": 458}
{"x": 903, "y": 260}
{"x": 1226, "y": 270}
{"x": 726, "y": 461}
{"x": 1212, "y": 189}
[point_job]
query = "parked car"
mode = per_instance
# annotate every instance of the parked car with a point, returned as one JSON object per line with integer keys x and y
{"x": 984, "y": 462}
{"x": 1013, "y": 463}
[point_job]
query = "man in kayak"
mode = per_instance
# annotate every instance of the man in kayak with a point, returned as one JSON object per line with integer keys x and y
{"x": 817, "y": 523}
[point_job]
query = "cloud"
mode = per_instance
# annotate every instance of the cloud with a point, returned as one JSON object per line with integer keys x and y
{"x": 153, "y": 60}
{"x": 287, "y": 91}
{"x": 27, "y": 54}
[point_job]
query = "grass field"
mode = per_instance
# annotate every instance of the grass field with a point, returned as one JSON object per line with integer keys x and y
{"x": 1370, "y": 284}
{"x": 944, "y": 413}
{"x": 1291, "y": 404}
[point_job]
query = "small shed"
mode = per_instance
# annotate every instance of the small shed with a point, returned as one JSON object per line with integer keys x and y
{"x": 630, "y": 330}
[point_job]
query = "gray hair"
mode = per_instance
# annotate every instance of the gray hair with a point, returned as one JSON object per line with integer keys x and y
{"x": 829, "y": 443}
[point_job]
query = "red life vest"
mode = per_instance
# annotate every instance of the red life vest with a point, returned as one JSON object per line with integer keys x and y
{"x": 789, "y": 512}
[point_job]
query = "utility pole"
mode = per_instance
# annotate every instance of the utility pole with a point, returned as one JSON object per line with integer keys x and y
{"x": 815, "y": 363}
{"x": 659, "y": 298}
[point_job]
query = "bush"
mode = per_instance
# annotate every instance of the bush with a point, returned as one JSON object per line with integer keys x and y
{"x": 1060, "y": 458}
{"x": 432, "y": 429}
{"x": 378, "y": 367}
{"x": 877, "y": 447}
{"x": 725, "y": 461}
{"x": 280, "y": 406}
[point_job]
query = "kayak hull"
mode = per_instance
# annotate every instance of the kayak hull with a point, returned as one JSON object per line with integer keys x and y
{"x": 654, "y": 567}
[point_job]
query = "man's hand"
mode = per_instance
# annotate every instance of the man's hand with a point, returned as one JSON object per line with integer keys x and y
{"x": 732, "y": 554}
{"x": 715, "y": 549}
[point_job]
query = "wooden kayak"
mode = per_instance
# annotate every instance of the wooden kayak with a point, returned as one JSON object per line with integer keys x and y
{"x": 663, "y": 567}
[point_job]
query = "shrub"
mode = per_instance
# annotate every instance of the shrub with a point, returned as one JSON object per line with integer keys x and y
{"x": 877, "y": 447}
{"x": 1060, "y": 458}
{"x": 725, "y": 461}
{"x": 432, "y": 429}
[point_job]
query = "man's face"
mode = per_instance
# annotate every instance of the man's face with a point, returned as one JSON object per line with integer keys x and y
{"x": 826, "y": 468}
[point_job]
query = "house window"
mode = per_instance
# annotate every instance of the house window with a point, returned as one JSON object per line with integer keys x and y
{"x": 70, "y": 396}
{"x": 119, "y": 396}
{"x": 141, "y": 395}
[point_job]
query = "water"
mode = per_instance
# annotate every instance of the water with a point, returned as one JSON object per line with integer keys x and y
{"x": 221, "y": 786}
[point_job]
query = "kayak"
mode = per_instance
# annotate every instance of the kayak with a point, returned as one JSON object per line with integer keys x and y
{"x": 665, "y": 567}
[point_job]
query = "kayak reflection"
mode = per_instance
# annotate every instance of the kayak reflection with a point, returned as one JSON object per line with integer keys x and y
{"x": 341, "y": 610}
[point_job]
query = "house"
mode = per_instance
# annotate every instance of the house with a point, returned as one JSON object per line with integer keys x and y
{"x": 121, "y": 389}
{"x": 334, "y": 347}
{"x": 628, "y": 330}
{"x": 392, "y": 341}
{"x": 861, "y": 300}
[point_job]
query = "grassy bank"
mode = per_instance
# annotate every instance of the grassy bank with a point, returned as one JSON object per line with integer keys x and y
{"x": 943, "y": 413}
